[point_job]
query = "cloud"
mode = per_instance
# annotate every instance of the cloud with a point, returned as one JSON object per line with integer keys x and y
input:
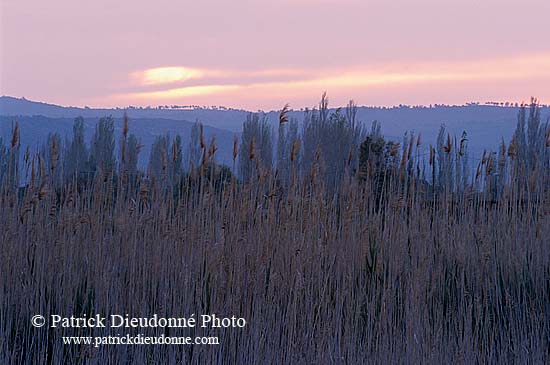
{"x": 186, "y": 85}
{"x": 185, "y": 75}
{"x": 166, "y": 75}
{"x": 186, "y": 92}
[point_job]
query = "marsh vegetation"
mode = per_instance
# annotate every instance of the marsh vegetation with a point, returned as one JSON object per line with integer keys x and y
{"x": 335, "y": 244}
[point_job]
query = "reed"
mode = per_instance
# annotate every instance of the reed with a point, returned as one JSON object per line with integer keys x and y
{"x": 398, "y": 270}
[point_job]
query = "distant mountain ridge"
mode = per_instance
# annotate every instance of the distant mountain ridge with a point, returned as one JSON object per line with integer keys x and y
{"x": 225, "y": 119}
{"x": 485, "y": 125}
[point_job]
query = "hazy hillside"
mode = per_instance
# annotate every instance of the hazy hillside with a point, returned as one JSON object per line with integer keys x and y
{"x": 486, "y": 125}
{"x": 35, "y": 129}
{"x": 226, "y": 119}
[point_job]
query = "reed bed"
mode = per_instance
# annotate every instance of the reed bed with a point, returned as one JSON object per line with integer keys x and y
{"x": 391, "y": 272}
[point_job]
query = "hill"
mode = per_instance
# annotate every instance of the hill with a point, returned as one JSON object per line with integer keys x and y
{"x": 486, "y": 125}
{"x": 35, "y": 130}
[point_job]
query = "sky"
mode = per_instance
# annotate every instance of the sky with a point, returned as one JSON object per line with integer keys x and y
{"x": 261, "y": 54}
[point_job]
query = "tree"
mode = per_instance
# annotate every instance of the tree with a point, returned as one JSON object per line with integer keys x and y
{"x": 176, "y": 160}
{"x": 529, "y": 150}
{"x": 377, "y": 158}
{"x": 196, "y": 145}
{"x": 256, "y": 146}
{"x": 52, "y": 153}
{"x": 158, "y": 161}
{"x": 331, "y": 137}
{"x": 102, "y": 158}
{"x": 12, "y": 161}
{"x": 76, "y": 159}
{"x": 133, "y": 148}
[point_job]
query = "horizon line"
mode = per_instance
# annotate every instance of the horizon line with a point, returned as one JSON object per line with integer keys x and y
{"x": 176, "y": 107}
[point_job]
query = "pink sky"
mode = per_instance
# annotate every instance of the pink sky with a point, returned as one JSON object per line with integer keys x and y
{"x": 262, "y": 54}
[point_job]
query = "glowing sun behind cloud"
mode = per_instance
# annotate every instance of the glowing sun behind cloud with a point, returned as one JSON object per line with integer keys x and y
{"x": 166, "y": 75}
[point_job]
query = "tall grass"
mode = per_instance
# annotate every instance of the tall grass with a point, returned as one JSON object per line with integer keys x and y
{"x": 384, "y": 270}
